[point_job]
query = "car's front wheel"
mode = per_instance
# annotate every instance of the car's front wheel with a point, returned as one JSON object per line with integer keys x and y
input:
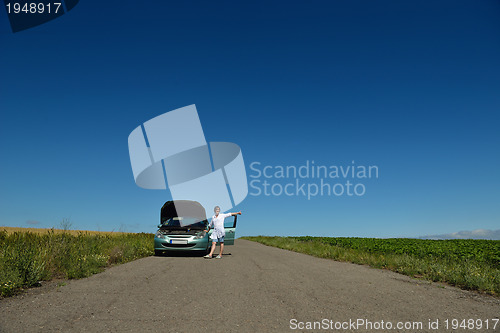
{"x": 158, "y": 253}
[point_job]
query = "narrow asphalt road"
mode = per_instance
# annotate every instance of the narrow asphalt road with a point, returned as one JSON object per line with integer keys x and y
{"x": 255, "y": 289}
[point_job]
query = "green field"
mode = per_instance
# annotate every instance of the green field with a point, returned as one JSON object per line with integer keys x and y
{"x": 466, "y": 263}
{"x": 26, "y": 258}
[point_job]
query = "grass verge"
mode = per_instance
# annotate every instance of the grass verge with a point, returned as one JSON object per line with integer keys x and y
{"x": 26, "y": 258}
{"x": 468, "y": 264}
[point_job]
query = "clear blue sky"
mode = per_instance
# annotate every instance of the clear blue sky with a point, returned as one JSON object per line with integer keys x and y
{"x": 412, "y": 87}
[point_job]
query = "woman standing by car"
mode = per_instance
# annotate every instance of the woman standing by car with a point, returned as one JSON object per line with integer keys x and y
{"x": 218, "y": 234}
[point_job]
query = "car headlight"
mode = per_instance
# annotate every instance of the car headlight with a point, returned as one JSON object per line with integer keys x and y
{"x": 158, "y": 234}
{"x": 200, "y": 235}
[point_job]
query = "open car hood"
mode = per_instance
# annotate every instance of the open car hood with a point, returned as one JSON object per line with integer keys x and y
{"x": 192, "y": 211}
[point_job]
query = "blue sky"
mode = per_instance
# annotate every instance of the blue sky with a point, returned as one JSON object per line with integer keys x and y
{"x": 410, "y": 87}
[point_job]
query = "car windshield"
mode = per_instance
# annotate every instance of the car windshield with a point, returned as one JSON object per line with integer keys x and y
{"x": 183, "y": 222}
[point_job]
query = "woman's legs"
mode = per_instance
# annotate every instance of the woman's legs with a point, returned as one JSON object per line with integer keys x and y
{"x": 212, "y": 249}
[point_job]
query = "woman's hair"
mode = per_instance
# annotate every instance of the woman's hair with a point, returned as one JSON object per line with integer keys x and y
{"x": 215, "y": 208}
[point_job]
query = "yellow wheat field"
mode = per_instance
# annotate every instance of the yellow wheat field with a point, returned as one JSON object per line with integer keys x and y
{"x": 11, "y": 230}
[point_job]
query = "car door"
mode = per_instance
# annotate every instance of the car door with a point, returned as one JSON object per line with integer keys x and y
{"x": 230, "y": 229}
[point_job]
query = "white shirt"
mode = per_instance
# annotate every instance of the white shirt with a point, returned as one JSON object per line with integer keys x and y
{"x": 217, "y": 224}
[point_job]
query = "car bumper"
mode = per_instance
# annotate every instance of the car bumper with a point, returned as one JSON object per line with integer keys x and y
{"x": 177, "y": 244}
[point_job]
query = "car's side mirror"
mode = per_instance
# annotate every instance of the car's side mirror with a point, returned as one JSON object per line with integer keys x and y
{"x": 159, "y": 226}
